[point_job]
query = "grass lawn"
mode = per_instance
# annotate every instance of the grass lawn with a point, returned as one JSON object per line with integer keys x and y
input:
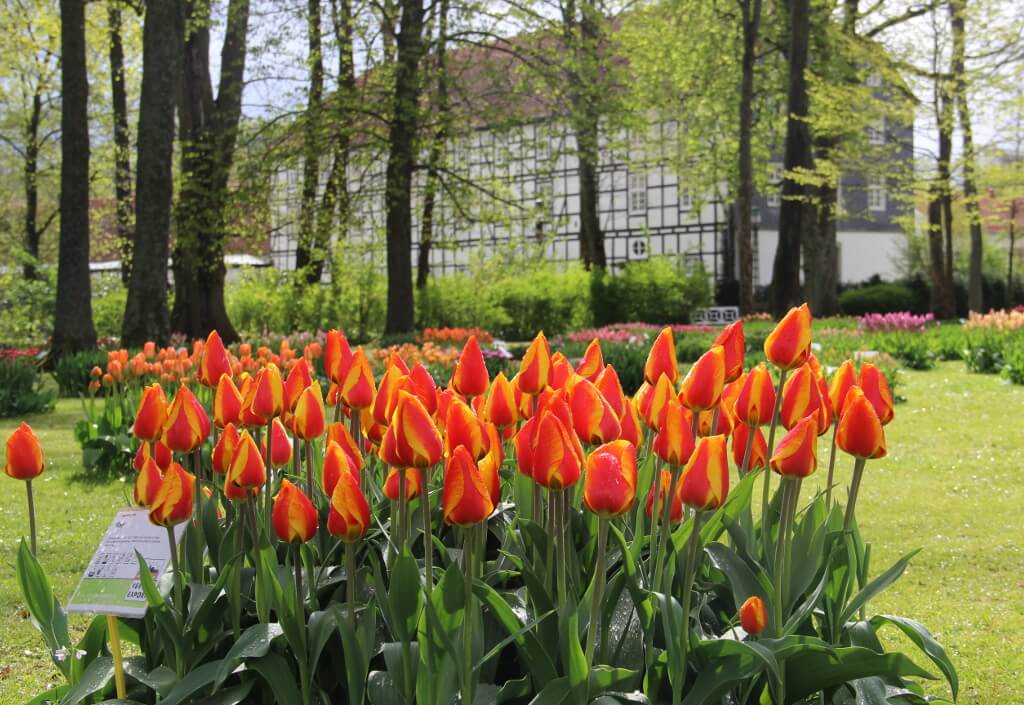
{"x": 952, "y": 484}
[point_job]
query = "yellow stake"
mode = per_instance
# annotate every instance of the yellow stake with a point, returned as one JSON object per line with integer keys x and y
{"x": 115, "y": 651}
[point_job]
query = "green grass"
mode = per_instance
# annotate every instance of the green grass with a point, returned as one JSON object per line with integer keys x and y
{"x": 952, "y": 485}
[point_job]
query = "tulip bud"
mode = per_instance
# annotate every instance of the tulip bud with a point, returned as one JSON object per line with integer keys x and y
{"x": 842, "y": 379}
{"x": 734, "y": 346}
{"x": 227, "y": 403}
{"x": 705, "y": 481}
{"x": 789, "y": 344}
{"x": 412, "y": 439}
{"x": 674, "y": 442}
{"x": 349, "y": 516}
{"x": 702, "y": 386}
{"x": 413, "y": 487}
{"x": 609, "y": 485}
{"x": 187, "y": 424}
{"x": 629, "y": 423}
{"x": 423, "y": 386}
{"x": 299, "y": 377}
{"x": 753, "y": 615}
{"x": 24, "y": 454}
{"x": 654, "y": 403}
{"x": 758, "y": 454}
{"x": 534, "y": 370}
{"x": 214, "y": 361}
{"x": 151, "y": 413}
{"x": 500, "y": 407}
{"x": 470, "y": 376}
{"x": 247, "y": 470}
{"x": 147, "y": 483}
{"x": 336, "y": 463}
{"x": 801, "y": 396}
{"x": 592, "y": 363}
{"x": 755, "y": 403}
{"x": 357, "y": 387}
{"x": 663, "y": 484}
{"x": 556, "y": 457}
{"x": 337, "y": 356}
{"x": 860, "y": 431}
{"x": 464, "y": 428}
{"x": 490, "y": 464}
{"x": 173, "y": 501}
{"x": 465, "y": 499}
{"x": 310, "y": 420}
{"x": 608, "y": 384}
{"x": 560, "y": 371}
{"x": 268, "y": 396}
{"x": 294, "y": 518}
{"x": 337, "y": 433}
{"x": 281, "y": 448}
{"x": 224, "y": 451}
{"x": 661, "y": 360}
{"x": 593, "y": 418}
{"x": 797, "y": 452}
{"x": 875, "y": 387}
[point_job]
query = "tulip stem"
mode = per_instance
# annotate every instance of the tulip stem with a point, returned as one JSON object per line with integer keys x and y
{"x": 298, "y": 577}
{"x": 599, "y": 580}
{"x": 428, "y": 534}
{"x": 402, "y": 509}
{"x": 179, "y": 600}
{"x": 666, "y": 524}
{"x": 831, "y": 466}
{"x": 467, "y": 622}
{"x": 851, "y": 504}
{"x": 308, "y": 447}
{"x": 790, "y": 495}
{"x": 350, "y": 583}
{"x": 270, "y": 469}
{"x": 689, "y": 572}
{"x": 771, "y": 448}
{"x": 751, "y": 437}
{"x": 31, "y": 515}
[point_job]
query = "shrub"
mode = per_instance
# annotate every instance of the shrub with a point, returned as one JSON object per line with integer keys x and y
{"x": 659, "y": 290}
{"x": 72, "y": 371}
{"x": 108, "y": 300}
{"x": 912, "y": 349}
{"x": 27, "y": 306}
{"x": 885, "y": 297}
{"x": 21, "y": 389}
{"x": 983, "y": 353}
{"x": 1013, "y": 363}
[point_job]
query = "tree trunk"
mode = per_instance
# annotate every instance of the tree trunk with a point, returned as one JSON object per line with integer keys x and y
{"x": 311, "y": 251}
{"x": 821, "y": 253}
{"x": 32, "y": 233}
{"x": 1009, "y": 266}
{"x": 946, "y": 197}
{"x": 122, "y": 143}
{"x": 209, "y": 129}
{"x": 958, "y": 10}
{"x": 146, "y": 316}
{"x": 73, "y": 328}
{"x": 401, "y": 162}
{"x": 796, "y": 215}
{"x": 745, "y": 192}
{"x": 936, "y": 269}
{"x": 437, "y": 146}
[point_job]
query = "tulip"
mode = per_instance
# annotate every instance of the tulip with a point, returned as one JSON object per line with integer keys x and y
{"x": 674, "y": 442}
{"x": 753, "y": 458}
{"x": 423, "y": 386}
{"x": 227, "y": 403}
{"x": 734, "y": 345}
{"x": 661, "y": 360}
{"x": 593, "y": 418}
{"x": 172, "y": 504}
{"x": 470, "y": 376}
{"x": 500, "y": 407}
{"x": 490, "y": 464}
{"x": 789, "y": 344}
{"x": 277, "y": 447}
{"x": 147, "y": 483}
{"x": 629, "y": 423}
{"x": 801, "y": 396}
{"x": 662, "y": 484}
{"x": 384, "y": 402}
{"x": 797, "y": 454}
{"x": 187, "y": 424}
{"x": 299, "y": 377}
{"x": 337, "y": 433}
{"x": 654, "y": 403}
{"x": 753, "y": 615}
{"x": 247, "y": 470}
{"x": 713, "y": 422}
{"x": 609, "y": 484}
{"x": 755, "y": 403}
{"x": 24, "y": 461}
{"x": 842, "y": 379}
{"x": 535, "y": 368}
{"x": 412, "y": 439}
{"x": 705, "y": 481}
{"x": 413, "y": 488}
{"x": 357, "y": 387}
{"x": 464, "y": 428}
{"x": 337, "y": 356}
{"x": 214, "y": 361}
{"x": 592, "y": 363}
{"x": 224, "y": 451}
{"x": 876, "y": 389}
{"x": 268, "y": 396}
{"x": 560, "y": 371}
{"x": 337, "y": 463}
{"x": 151, "y": 413}
{"x": 310, "y": 419}
{"x": 349, "y": 515}
{"x": 523, "y": 442}
{"x": 465, "y": 498}
{"x": 860, "y": 430}
{"x": 294, "y": 518}
{"x": 248, "y": 416}
{"x": 556, "y": 458}
{"x": 608, "y": 384}
{"x": 702, "y": 386}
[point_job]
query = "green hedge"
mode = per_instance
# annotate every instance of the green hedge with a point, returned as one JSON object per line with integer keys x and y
{"x": 659, "y": 290}
{"x": 886, "y": 297}
{"x": 21, "y": 389}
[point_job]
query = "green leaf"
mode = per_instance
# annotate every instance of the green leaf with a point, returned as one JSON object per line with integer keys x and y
{"x": 673, "y": 623}
{"x": 160, "y": 680}
{"x": 554, "y": 692}
{"x": 728, "y": 663}
{"x": 230, "y": 696}
{"x": 809, "y": 671}
{"x": 742, "y": 580}
{"x": 536, "y": 657}
{"x": 923, "y": 639}
{"x": 158, "y": 606}
{"x": 96, "y": 677}
{"x": 274, "y": 670}
{"x": 43, "y": 607}
{"x": 254, "y": 642}
{"x": 876, "y": 586}
{"x": 194, "y": 681}
{"x": 605, "y": 678}
{"x": 404, "y": 597}
{"x": 572, "y": 652}
{"x": 382, "y": 690}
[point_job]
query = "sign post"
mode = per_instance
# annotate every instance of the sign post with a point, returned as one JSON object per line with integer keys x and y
{"x": 110, "y": 584}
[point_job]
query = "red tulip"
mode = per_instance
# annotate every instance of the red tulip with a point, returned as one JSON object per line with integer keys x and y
{"x": 337, "y": 433}
{"x": 789, "y": 344}
{"x": 24, "y": 454}
{"x": 735, "y": 346}
{"x": 758, "y": 454}
{"x": 173, "y": 501}
{"x": 592, "y": 363}
{"x": 702, "y": 386}
{"x": 349, "y": 516}
{"x": 631, "y": 428}
{"x": 535, "y": 367}
{"x": 556, "y": 455}
{"x": 224, "y": 451}
{"x": 214, "y": 361}
{"x": 755, "y": 404}
{"x": 662, "y": 359}
{"x": 310, "y": 420}
{"x": 842, "y": 379}
{"x": 227, "y": 403}
{"x": 663, "y": 485}
{"x": 608, "y": 384}
{"x": 560, "y": 371}
{"x": 357, "y": 387}
{"x": 674, "y": 442}
{"x": 299, "y": 377}
{"x": 187, "y": 425}
{"x": 872, "y": 382}
{"x": 609, "y": 485}
{"x": 294, "y": 518}
{"x": 470, "y": 377}
{"x": 465, "y": 499}
{"x": 423, "y": 386}
{"x": 337, "y": 356}
{"x": 412, "y": 439}
{"x": 753, "y": 615}
{"x": 412, "y": 484}
{"x": 593, "y": 418}
{"x": 151, "y": 414}
{"x": 705, "y": 481}
{"x": 797, "y": 452}
{"x": 281, "y": 449}
{"x": 464, "y": 428}
{"x": 860, "y": 431}
{"x": 336, "y": 463}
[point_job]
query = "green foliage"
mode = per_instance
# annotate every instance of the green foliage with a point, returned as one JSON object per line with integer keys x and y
{"x": 72, "y": 372}
{"x": 658, "y": 290}
{"x": 909, "y": 347}
{"x": 1013, "y": 363}
{"x": 983, "y": 351}
{"x": 27, "y": 306}
{"x": 885, "y": 297}
{"x": 108, "y": 302}
{"x": 21, "y": 389}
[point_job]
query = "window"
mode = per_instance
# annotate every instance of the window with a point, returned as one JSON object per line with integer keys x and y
{"x": 876, "y": 193}
{"x": 637, "y": 193}
{"x": 685, "y": 198}
{"x": 773, "y": 196}
{"x": 545, "y": 196}
{"x": 876, "y": 132}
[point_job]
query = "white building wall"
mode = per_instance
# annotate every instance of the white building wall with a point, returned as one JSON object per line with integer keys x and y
{"x": 862, "y": 255}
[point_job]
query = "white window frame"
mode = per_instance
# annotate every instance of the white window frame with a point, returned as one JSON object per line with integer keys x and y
{"x": 637, "y": 193}
{"x": 876, "y": 193}
{"x": 685, "y": 197}
{"x": 773, "y": 195}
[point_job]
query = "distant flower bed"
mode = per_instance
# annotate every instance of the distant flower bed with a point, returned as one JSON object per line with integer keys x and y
{"x": 429, "y": 354}
{"x": 997, "y": 320}
{"x": 638, "y": 333}
{"x": 897, "y": 321}
{"x": 455, "y": 336}
{"x": 19, "y": 353}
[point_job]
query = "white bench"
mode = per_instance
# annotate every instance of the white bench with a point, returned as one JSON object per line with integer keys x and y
{"x": 715, "y": 315}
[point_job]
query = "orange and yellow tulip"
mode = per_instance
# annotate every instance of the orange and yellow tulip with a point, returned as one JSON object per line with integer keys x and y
{"x": 412, "y": 439}
{"x": 294, "y": 518}
{"x": 560, "y": 371}
{"x": 500, "y": 407}
{"x": 224, "y": 451}
{"x": 214, "y": 361}
{"x": 797, "y": 452}
{"x": 393, "y": 381}
{"x": 661, "y": 360}
{"x": 187, "y": 424}
{"x": 336, "y": 463}
{"x": 630, "y": 427}
{"x": 227, "y": 403}
{"x": 247, "y": 470}
{"x": 726, "y": 421}
{"x": 309, "y": 418}
{"x": 801, "y": 396}
{"x": 755, "y": 403}
{"x": 338, "y": 433}
{"x": 523, "y": 442}
{"x": 789, "y": 344}
{"x": 608, "y": 384}
{"x": 268, "y": 394}
{"x": 705, "y": 481}
{"x": 702, "y": 386}
{"x": 674, "y": 443}
{"x": 470, "y": 376}
{"x": 349, "y": 515}
{"x": 842, "y": 379}
{"x": 872, "y": 382}
{"x": 654, "y": 403}
{"x": 556, "y": 458}
{"x": 172, "y": 503}
{"x": 609, "y": 484}
{"x": 465, "y": 499}
{"x": 413, "y": 487}
{"x": 24, "y": 459}
{"x": 151, "y": 414}
{"x": 860, "y": 431}
{"x": 753, "y": 615}
{"x": 464, "y": 428}
{"x": 423, "y": 386}
{"x": 593, "y": 418}
{"x": 734, "y": 345}
{"x": 592, "y": 363}
{"x": 299, "y": 377}
{"x": 281, "y": 450}
{"x": 357, "y": 387}
{"x": 147, "y": 483}
{"x": 337, "y": 356}
{"x": 490, "y": 464}
{"x": 535, "y": 368}
{"x": 759, "y": 452}
{"x": 663, "y": 485}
